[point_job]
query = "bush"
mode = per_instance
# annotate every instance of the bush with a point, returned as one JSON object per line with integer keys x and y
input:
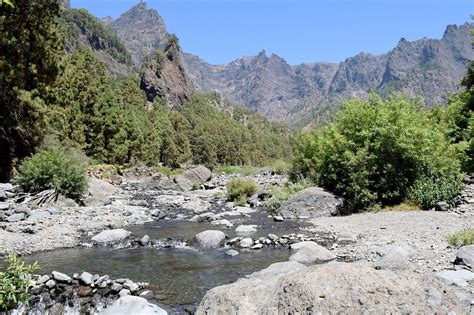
{"x": 15, "y": 282}
{"x": 243, "y": 170}
{"x": 239, "y": 189}
{"x": 52, "y": 169}
{"x": 281, "y": 194}
{"x": 378, "y": 153}
{"x": 463, "y": 238}
{"x": 280, "y": 167}
{"x": 428, "y": 191}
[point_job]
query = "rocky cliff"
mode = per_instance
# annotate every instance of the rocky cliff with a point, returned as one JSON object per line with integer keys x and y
{"x": 279, "y": 91}
{"x": 142, "y": 30}
{"x": 163, "y": 77}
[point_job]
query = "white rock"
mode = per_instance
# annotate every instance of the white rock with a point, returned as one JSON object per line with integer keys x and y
{"x": 209, "y": 238}
{"x": 246, "y": 243}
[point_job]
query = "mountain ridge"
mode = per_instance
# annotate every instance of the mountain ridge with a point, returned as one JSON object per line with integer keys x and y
{"x": 279, "y": 91}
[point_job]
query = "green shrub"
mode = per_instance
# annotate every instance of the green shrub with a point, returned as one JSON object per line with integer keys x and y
{"x": 239, "y": 189}
{"x": 15, "y": 282}
{"x": 52, "y": 169}
{"x": 170, "y": 172}
{"x": 462, "y": 238}
{"x": 377, "y": 152}
{"x": 281, "y": 194}
{"x": 280, "y": 167}
{"x": 428, "y": 191}
{"x": 243, "y": 170}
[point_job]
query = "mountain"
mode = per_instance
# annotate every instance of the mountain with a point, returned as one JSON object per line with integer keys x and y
{"x": 142, "y": 30}
{"x": 298, "y": 94}
{"x": 282, "y": 92}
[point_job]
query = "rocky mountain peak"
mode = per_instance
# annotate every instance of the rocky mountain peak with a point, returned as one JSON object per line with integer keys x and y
{"x": 142, "y": 30}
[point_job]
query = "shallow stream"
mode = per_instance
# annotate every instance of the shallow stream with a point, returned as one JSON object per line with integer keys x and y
{"x": 180, "y": 276}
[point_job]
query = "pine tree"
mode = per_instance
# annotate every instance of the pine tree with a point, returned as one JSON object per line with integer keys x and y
{"x": 30, "y": 48}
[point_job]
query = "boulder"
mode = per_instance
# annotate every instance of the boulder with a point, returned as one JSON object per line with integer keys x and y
{"x": 246, "y": 295}
{"x": 311, "y": 202}
{"x": 133, "y": 305}
{"x": 192, "y": 177}
{"x": 310, "y": 253}
{"x": 159, "y": 181}
{"x": 210, "y": 238}
{"x": 86, "y": 278}
{"x": 246, "y": 243}
{"x": 246, "y": 229}
{"x": 99, "y": 192}
{"x": 4, "y": 206}
{"x": 393, "y": 257}
{"x": 465, "y": 256}
{"x": 458, "y": 278}
{"x": 111, "y": 236}
{"x": 333, "y": 288}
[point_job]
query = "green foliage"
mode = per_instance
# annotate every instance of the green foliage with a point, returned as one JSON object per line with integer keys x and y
{"x": 169, "y": 171}
{"x": 238, "y": 189}
{"x": 52, "y": 169}
{"x": 217, "y": 138}
{"x": 428, "y": 191}
{"x": 281, "y": 194}
{"x": 280, "y": 167}
{"x": 462, "y": 238}
{"x": 15, "y": 282}
{"x": 30, "y": 47}
{"x": 376, "y": 151}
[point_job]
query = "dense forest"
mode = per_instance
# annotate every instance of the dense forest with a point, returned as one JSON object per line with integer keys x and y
{"x": 57, "y": 94}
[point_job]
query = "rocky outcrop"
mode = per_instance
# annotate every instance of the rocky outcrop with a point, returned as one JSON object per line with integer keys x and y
{"x": 142, "y": 30}
{"x": 99, "y": 192}
{"x": 311, "y": 202}
{"x": 248, "y": 295}
{"x": 332, "y": 288}
{"x": 192, "y": 177}
{"x": 164, "y": 79}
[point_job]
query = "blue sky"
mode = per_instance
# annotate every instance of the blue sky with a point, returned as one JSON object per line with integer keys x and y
{"x": 298, "y": 30}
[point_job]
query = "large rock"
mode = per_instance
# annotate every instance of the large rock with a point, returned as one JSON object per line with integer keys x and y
{"x": 99, "y": 192}
{"x": 334, "y": 288}
{"x": 311, "y": 202}
{"x": 465, "y": 256}
{"x": 458, "y": 278}
{"x": 246, "y": 295}
{"x": 209, "y": 238}
{"x": 159, "y": 181}
{"x": 393, "y": 257}
{"x": 246, "y": 229}
{"x": 133, "y": 305}
{"x": 193, "y": 176}
{"x": 111, "y": 236}
{"x": 310, "y": 253}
